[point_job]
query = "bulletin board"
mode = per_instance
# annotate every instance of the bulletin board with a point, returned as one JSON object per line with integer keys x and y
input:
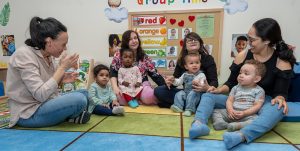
{"x": 162, "y": 33}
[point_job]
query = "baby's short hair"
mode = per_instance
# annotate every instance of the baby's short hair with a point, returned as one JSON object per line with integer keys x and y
{"x": 193, "y": 54}
{"x": 98, "y": 68}
{"x": 260, "y": 68}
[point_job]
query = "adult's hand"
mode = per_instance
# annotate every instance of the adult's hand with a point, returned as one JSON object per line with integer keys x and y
{"x": 281, "y": 103}
{"x": 200, "y": 87}
{"x": 169, "y": 80}
{"x": 126, "y": 84}
{"x": 117, "y": 91}
{"x": 215, "y": 90}
{"x": 68, "y": 61}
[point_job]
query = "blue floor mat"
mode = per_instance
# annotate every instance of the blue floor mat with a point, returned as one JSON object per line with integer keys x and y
{"x": 213, "y": 145}
{"x": 122, "y": 142}
{"x": 30, "y": 140}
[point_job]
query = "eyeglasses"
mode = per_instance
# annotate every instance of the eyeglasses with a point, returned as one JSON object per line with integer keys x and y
{"x": 189, "y": 41}
{"x": 251, "y": 39}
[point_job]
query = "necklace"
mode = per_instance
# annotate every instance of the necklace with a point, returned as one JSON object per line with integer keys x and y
{"x": 264, "y": 57}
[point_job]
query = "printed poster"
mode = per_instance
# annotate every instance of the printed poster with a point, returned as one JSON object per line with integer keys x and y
{"x": 205, "y": 25}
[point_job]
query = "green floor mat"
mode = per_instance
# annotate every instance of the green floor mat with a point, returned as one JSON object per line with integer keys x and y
{"x": 146, "y": 124}
{"x": 270, "y": 137}
{"x": 289, "y": 130}
{"x": 70, "y": 127}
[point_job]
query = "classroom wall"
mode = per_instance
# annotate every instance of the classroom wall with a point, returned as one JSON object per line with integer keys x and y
{"x": 89, "y": 28}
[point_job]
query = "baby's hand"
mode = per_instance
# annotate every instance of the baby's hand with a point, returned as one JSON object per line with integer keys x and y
{"x": 239, "y": 114}
{"x": 125, "y": 83}
{"x": 115, "y": 103}
{"x": 138, "y": 84}
{"x": 106, "y": 105}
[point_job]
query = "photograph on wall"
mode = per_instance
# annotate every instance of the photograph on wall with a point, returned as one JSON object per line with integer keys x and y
{"x": 209, "y": 48}
{"x": 172, "y": 51}
{"x": 8, "y": 45}
{"x": 239, "y": 44}
{"x": 155, "y": 52}
{"x": 173, "y": 33}
{"x": 114, "y": 41}
{"x": 159, "y": 63}
{"x": 171, "y": 64}
{"x": 185, "y": 31}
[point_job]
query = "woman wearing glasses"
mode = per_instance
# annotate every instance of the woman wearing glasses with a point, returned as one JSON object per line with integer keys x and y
{"x": 192, "y": 44}
{"x": 268, "y": 47}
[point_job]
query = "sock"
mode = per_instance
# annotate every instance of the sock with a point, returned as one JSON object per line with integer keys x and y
{"x": 232, "y": 139}
{"x": 220, "y": 125}
{"x": 83, "y": 118}
{"x": 136, "y": 102}
{"x": 198, "y": 129}
{"x": 118, "y": 110}
{"x": 187, "y": 113}
{"x": 176, "y": 109}
{"x": 234, "y": 126}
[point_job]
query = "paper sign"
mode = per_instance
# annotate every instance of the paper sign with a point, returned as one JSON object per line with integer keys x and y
{"x": 153, "y": 41}
{"x": 160, "y": 31}
{"x": 156, "y": 52}
{"x": 148, "y": 20}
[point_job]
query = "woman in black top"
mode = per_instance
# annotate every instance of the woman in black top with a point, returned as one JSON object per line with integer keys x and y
{"x": 191, "y": 43}
{"x": 267, "y": 47}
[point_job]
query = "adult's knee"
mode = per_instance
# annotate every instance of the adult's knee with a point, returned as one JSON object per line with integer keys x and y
{"x": 158, "y": 91}
{"x": 208, "y": 97}
{"x": 79, "y": 99}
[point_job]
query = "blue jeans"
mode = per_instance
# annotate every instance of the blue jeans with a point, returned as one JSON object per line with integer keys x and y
{"x": 165, "y": 95}
{"x": 188, "y": 102}
{"x": 268, "y": 115}
{"x": 101, "y": 110}
{"x": 57, "y": 110}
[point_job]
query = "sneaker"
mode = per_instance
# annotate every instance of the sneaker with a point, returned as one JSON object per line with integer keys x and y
{"x": 176, "y": 109}
{"x": 118, "y": 110}
{"x": 133, "y": 104}
{"x": 83, "y": 118}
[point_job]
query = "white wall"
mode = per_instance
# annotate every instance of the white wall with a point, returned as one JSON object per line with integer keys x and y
{"x": 88, "y": 27}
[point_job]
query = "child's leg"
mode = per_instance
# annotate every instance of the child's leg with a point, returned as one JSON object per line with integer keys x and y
{"x": 127, "y": 97}
{"x": 138, "y": 96}
{"x": 179, "y": 101}
{"x": 131, "y": 102}
{"x": 234, "y": 126}
{"x": 220, "y": 118}
{"x": 101, "y": 110}
{"x": 192, "y": 101}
